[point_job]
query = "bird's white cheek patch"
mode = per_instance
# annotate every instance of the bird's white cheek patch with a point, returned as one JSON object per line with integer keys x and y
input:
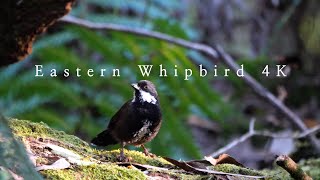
{"x": 147, "y": 97}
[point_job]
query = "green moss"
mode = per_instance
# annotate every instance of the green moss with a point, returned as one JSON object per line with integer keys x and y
{"x": 23, "y": 128}
{"x": 134, "y": 156}
{"x": 311, "y": 167}
{"x": 60, "y": 174}
{"x": 176, "y": 174}
{"x": 102, "y": 171}
{"x": 41, "y": 160}
{"x": 277, "y": 173}
{"x": 230, "y": 168}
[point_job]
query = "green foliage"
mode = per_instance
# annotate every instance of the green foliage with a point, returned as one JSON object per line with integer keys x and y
{"x": 84, "y": 105}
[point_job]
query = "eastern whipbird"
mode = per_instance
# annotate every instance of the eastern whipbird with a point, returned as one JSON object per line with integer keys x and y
{"x": 137, "y": 122}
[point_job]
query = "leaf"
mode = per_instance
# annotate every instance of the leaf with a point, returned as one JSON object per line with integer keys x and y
{"x": 142, "y": 167}
{"x": 63, "y": 152}
{"x": 71, "y": 156}
{"x": 223, "y": 159}
{"x": 189, "y": 168}
{"x": 59, "y": 164}
{"x": 181, "y": 164}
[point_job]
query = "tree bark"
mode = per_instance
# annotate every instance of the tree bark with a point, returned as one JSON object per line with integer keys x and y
{"x": 22, "y": 20}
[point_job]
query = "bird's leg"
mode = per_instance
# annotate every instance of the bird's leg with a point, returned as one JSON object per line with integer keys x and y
{"x": 146, "y": 152}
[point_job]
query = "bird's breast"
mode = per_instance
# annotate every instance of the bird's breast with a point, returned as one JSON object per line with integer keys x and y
{"x": 141, "y": 124}
{"x": 144, "y": 132}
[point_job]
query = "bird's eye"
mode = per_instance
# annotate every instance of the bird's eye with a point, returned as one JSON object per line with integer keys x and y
{"x": 145, "y": 87}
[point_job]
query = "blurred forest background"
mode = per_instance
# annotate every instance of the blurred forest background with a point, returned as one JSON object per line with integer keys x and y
{"x": 200, "y": 115}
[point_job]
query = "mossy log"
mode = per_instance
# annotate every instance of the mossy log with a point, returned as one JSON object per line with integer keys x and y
{"x": 102, "y": 164}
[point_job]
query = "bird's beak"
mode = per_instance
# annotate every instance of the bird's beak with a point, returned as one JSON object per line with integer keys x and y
{"x": 135, "y": 86}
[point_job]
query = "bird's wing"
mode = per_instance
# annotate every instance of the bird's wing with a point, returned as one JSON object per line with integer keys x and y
{"x": 119, "y": 115}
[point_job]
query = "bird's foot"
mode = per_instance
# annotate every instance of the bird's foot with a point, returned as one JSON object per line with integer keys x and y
{"x": 150, "y": 155}
{"x": 147, "y": 153}
{"x": 122, "y": 158}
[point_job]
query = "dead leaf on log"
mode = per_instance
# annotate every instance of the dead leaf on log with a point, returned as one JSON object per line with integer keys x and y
{"x": 223, "y": 159}
{"x": 199, "y": 163}
{"x": 21, "y": 21}
{"x": 62, "y": 163}
{"x": 159, "y": 176}
{"x": 142, "y": 167}
{"x": 71, "y": 156}
{"x": 181, "y": 164}
{"x": 189, "y": 168}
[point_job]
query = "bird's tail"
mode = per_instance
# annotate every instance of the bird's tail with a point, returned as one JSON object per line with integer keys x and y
{"x": 104, "y": 139}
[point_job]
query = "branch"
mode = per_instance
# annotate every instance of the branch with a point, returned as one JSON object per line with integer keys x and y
{"x": 252, "y": 132}
{"x": 293, "y": 136}
{"x": 292, "y": 168}
{"x": 214, "y": 53}
{"x": 141, "y": 32}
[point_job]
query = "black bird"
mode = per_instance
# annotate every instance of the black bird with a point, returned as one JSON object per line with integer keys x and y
{"x": 137, "y": 122}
